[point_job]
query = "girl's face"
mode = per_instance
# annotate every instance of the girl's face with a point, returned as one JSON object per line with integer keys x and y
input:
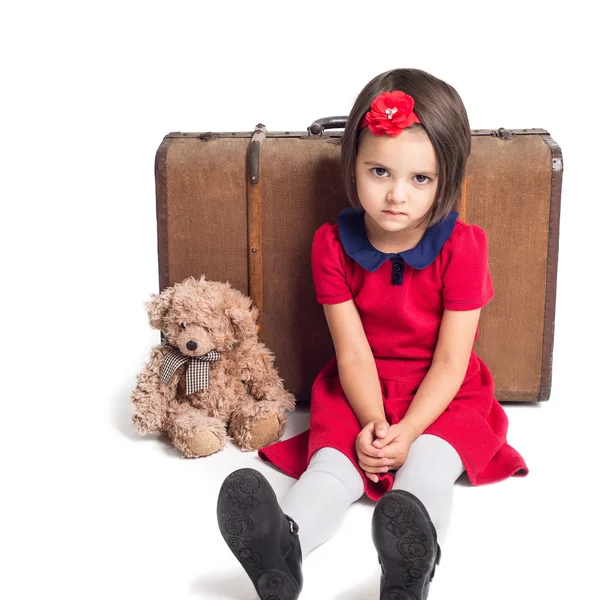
{"x": 396, "y": 179}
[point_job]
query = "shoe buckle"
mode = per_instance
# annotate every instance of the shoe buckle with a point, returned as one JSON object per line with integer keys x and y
{"x": 293, "y": 525}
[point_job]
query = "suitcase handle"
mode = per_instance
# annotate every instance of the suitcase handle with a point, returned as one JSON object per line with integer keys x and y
{"x": 320, "y": 125}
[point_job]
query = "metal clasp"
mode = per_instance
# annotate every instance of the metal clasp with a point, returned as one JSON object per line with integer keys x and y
{"x": 502, "y": 133}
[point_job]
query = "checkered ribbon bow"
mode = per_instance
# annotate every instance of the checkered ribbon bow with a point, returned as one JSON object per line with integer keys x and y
{"x": 196, "y": 377}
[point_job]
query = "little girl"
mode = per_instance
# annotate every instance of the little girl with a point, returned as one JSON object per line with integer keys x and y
{"x": 406, "y": 405}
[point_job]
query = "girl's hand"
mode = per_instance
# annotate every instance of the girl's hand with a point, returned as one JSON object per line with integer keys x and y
{"x": 396, "y": 444}
{"x": 370, "y": 459}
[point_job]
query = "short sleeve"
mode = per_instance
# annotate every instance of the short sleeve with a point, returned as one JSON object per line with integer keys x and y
{"x": 328, "y": 270}
{"x": 467, "y": 281}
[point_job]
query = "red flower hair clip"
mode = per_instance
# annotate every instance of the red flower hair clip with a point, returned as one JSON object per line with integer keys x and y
{"x": 390, "y": 113}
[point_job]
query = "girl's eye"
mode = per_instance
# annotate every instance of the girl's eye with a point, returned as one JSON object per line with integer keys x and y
{"x": 378, "y": 169}
{"x": 422, "y": 182}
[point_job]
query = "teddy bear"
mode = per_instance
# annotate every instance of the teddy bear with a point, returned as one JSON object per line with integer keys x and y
{"x": 210, "y": 378}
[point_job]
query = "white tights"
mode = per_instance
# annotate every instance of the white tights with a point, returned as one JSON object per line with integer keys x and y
{"x": 320, "y": 498}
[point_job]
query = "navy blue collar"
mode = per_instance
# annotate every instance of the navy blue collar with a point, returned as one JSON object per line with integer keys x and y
{"x": 351, "y": 225}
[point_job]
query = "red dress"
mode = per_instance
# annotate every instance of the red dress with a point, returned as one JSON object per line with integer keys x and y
{"x": 401, "y": 298}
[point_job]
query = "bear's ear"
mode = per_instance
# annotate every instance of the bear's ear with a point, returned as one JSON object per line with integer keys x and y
{"x": 241, "y": 313}
{"x": 158, "y": 306}
{"x": 244, "y": 322}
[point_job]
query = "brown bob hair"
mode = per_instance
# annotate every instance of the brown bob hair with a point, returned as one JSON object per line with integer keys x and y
{"x": 444, "y": 119}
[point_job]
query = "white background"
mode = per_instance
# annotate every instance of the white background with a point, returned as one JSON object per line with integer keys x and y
{"x": 90, "y": 510}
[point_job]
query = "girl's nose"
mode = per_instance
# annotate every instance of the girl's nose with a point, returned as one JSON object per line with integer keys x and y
{"x": 398, "y": 192}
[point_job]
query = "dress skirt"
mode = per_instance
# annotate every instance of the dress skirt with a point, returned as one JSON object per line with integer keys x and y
{"x": 474, "y": 423}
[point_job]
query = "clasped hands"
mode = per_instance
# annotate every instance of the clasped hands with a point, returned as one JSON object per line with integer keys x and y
{"x": 382, "y": 447}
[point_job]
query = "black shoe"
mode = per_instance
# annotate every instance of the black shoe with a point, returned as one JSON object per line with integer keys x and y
{"x": 263, "y": 539}
{"x": 406, "y": 542}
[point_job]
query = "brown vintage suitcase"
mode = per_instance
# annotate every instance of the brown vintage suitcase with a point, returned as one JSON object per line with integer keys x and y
{"x": 243, "y": 207}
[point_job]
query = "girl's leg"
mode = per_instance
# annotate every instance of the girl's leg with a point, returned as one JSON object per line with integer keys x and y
{"x": 429, "y": 473}
{"x": 321, "y": 496}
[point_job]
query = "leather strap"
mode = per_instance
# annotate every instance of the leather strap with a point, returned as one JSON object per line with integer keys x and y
{"x": 255, "y": 238}
{"x": 461, "y": 205}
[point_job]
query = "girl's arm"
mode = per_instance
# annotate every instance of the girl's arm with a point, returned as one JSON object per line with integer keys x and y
{"x": 356, "y": 365}
{"x": 447, "y": 371}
